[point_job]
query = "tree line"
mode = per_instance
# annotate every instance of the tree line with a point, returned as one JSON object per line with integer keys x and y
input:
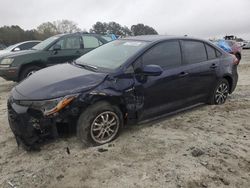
{"x": 14, "y": 34}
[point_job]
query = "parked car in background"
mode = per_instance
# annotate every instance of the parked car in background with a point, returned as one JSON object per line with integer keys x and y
{"x": 123, "y": 82}
{"x": 231, "y": 47}
{"x": 54, "y": 50}
{"x": 19, "y": 46}
{"x": 247, "y": 46}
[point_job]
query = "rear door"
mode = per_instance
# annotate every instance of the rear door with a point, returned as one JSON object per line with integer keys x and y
{"x": 71, "y": 47}
{"x": 201, "y": 65}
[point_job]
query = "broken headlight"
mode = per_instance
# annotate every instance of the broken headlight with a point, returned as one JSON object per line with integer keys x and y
{"x": 50, "y": 107}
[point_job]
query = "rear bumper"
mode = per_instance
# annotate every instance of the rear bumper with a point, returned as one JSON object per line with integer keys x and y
{"x": 10, "y": 73}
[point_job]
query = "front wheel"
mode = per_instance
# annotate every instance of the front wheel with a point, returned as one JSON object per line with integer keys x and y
{"x": 27, "y": 71}
{"x": 99, "y": 124}
{"x": 220, "y": 93}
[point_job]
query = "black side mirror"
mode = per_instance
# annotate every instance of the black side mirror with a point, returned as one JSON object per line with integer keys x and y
{"x": 152, "y": 70}
{"x": 57, "y": 47}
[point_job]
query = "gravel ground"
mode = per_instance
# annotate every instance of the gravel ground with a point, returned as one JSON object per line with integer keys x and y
{"x": 208, "y": 146}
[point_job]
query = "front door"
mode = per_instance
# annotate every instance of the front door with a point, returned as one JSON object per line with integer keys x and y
{"x": 71, "y": 48}
{"x": 166, "y": 92}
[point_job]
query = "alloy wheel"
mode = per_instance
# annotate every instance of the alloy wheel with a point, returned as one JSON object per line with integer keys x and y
{"x": 105, "y": 127}
{"x": 221, "y": 93}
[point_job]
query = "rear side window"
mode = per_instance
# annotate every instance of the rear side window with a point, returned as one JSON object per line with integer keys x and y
{"x": 166, "y": 54}
{"x": 211, "y": 52}
{"x": 90, "y": 42}
{"x": 194, "y": 52}
{"x": 218, "y": 53}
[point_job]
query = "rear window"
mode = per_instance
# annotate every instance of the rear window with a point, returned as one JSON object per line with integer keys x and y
{"x": 194, "y": 52}
{"x": 211, "y": 52}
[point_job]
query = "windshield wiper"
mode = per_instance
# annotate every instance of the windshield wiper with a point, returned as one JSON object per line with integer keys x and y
{"x": 89, "y": 67}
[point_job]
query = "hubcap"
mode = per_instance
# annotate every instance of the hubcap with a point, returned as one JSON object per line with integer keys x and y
{"x": 221, "y": 93}
{"x": 105, "y": 127}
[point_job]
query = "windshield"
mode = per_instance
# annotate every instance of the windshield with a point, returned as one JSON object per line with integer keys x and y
{"x": 112, "y": 55}
{"x": 42, "y": 45}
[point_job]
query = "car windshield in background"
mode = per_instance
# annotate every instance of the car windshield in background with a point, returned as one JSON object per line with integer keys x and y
{"x": 42, "y": 45}
{"x": 112, "y": 55}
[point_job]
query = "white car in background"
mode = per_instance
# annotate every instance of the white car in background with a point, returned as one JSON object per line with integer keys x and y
{"x": 19, "y": 46}
{"x": 247, "y": 46}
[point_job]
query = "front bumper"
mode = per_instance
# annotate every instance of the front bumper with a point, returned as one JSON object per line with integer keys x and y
{"x": 28, "y": 127}
{"x": 31, "y": 128}
{"x": 9, "y": 73}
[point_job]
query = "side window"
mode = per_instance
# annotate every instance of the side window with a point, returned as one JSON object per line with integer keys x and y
{"x": 194, "y": 51}
{"x": 69, "y": 43}
{"x": 90, "y": 42}
{"x": 27, "y": 46}
{"x": 211, "y": 53}
{"x": 218, "y": 53}
{"x": 166, "y": 54}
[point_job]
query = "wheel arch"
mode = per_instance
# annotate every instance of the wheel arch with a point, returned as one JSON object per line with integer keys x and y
{"x": 116, "y": 100}
{"x": 35, "y": 63}
{"x": 230, "y": 81}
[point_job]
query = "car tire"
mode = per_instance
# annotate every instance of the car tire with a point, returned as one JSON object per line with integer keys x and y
{"x": 99, "y": 124}
{"x": 220, "y": 93}
{"x": 27, "y": 71}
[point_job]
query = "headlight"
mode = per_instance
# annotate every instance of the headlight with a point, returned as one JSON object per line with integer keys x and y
{"x": 6, "y": 62}
{"x": 52, "y": 106}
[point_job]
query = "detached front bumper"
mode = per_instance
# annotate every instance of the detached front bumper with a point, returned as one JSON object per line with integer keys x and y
{"x": 10, "y": 73}
{"x": 28, "y": 127}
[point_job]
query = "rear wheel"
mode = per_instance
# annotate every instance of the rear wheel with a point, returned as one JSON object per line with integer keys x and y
{"x": 220, "y": 93}
{"x": 99, "y": 124}
{"x": 27, "y": 71}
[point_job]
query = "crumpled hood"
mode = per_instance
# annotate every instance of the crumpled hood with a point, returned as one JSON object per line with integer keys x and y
{"x": 57, "y": 81}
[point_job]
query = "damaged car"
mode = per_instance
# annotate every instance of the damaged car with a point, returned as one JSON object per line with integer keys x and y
{"x": 123, "y": 82}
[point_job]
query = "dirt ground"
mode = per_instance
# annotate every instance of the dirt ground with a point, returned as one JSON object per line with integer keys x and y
{"x": 208, "y": 146}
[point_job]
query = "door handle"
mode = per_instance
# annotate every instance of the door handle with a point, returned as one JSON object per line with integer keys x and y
{"x": 183, "y": 74}
{"x": 213, "y": 66}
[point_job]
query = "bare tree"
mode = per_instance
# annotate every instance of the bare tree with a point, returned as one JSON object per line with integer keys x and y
{"x": 47, "y": 29}
{"x": 66, "y": 26}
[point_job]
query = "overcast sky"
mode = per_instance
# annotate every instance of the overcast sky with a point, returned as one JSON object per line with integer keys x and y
{"x": 200, "y": 18}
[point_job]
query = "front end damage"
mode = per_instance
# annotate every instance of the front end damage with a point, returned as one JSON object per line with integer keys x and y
{"x": 32, "y": 124}
{"x": 31, "y": 127}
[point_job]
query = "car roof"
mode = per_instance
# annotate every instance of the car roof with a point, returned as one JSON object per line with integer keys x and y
{"x": 155, "y": 38}
{"x": 77, "y": 33}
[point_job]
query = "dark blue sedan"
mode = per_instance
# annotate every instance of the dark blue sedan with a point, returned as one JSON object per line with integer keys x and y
{"x": 123, "y": 82}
